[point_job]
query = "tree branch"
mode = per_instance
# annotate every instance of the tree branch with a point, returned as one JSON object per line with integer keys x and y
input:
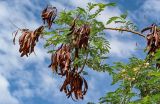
{"x": 127, "y": 30}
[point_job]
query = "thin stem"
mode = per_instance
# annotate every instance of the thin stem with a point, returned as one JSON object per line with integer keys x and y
{"x": 126, "y": 30}
{"x": 84, "y": 63}
{"x": 14, "y": 24}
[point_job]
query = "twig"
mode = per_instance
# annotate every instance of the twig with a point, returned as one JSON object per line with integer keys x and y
{"x": 84, "y": 64}
{"x": 127, "y": 30}
{"x": 14, "y": 24}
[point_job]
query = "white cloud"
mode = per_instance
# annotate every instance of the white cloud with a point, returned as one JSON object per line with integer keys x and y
{"x": 151, "y": 9}
{"x": 122, "y": 49}
{"x": 6, "y": 97}
{"x": 147, "y": 13}
{"x": 151, "y": 5}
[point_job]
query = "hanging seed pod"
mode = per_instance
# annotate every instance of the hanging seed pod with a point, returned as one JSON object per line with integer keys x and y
{"x": 48, "y": 15}
{"x": 83, "y": 42}
{"x": 73, "y": 27}
{"x": 61, "y": 59}
{"x": 27, "y": 40}
{"x": 82, "y": 36}
{"x": 153, "y": 38}
{"x": 74, "y": 84}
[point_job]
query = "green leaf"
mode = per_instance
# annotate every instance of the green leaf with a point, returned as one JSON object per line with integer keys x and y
{"x": 155, "y": 74}
{"x": 81, "y": 10}
{"x": 100, "y": 5}
{"x": 157, "y": 54}
{"x": 112, "y": 19}
{"x": 124, "y": 16}
{"x": 91, "y": 6}
{"x": 111, "y": 4}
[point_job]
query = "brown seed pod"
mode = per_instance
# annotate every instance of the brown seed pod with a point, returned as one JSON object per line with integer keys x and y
{"x": 28, "y": 39}
{"x": 48, "y": 15}
{"x": 83, "y": 42}
{"x": 153, "y": 38}
{"x": 61, "y": 59}
{"x": 80, "y": 36}
{"x": 74, "y": 84}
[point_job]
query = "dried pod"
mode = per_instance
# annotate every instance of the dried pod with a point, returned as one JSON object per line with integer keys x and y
{"x": 48, "y": 15}
{"x": 73, "y": 27}
{"x": 153, "y": 38}
{"x": 74, "y": 84}
{"x": 145, "y": 29}
{"x": 82, "y": 36}
{"x": 28, "y": 39}
{"x": 83, "y": 42}
{"x": 61, "y": 59}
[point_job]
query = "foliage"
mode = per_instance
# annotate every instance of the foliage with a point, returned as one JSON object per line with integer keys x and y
{"x": 139, "y": 83}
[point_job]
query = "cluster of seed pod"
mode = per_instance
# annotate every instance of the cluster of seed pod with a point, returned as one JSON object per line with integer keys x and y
{"x": 28, "y": 38}
{"x": 76, "y": 84}
{"x": 61, "y": 59}
{"x": 153, "y": 38}
{"x": 80, "y": 35}
{"x": 61, "y": 64}
{"x": 49, "y": 14}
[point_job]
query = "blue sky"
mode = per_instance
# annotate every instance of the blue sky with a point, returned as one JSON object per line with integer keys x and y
{"x": 30, "y": 81}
